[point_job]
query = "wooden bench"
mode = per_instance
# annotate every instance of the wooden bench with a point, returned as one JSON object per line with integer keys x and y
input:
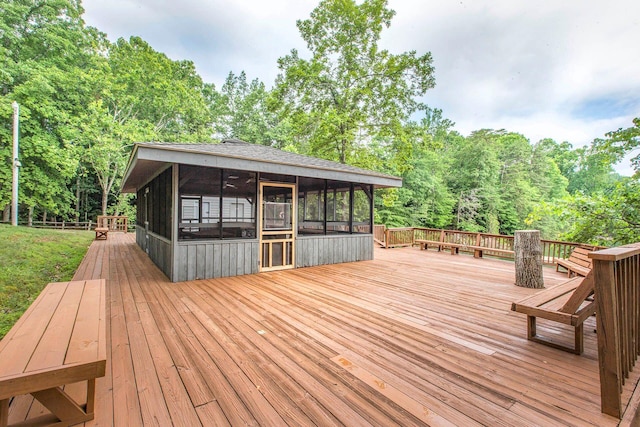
{"x": 59, "y": 340}
{"x": 101, "y": 233}
{"x": 568, "y": 303}
{"x": 478, "y": 250}
{"x": 578, "y": 262}
{"x": 454, "y": 247}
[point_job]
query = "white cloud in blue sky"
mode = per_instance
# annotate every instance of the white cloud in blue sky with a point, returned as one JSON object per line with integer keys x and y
{"x": 562, "y": 69}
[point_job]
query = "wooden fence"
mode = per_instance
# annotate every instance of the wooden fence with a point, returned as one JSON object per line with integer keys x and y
{"x": 617, "y": 296}
{"x": 397, "y": 237}
{"x": 63, "y": 225}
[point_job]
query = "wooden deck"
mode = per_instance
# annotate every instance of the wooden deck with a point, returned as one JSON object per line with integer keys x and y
{"x": 411, "y": 338}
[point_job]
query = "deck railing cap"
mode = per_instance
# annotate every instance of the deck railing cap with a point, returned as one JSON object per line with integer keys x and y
{"x": 617, "y": 253}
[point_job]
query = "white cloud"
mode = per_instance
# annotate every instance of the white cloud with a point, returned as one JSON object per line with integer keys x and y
{"x": 567, "y": 70}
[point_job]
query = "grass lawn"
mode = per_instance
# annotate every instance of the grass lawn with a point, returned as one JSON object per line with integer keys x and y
{"x": 29, "y": 259}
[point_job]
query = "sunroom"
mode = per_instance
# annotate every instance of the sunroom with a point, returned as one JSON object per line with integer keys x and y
{"x": 216, "y": 210}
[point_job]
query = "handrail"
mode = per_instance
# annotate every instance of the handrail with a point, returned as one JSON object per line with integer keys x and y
{"x": 406, "y": 236}
{"x": 617, "y": 296}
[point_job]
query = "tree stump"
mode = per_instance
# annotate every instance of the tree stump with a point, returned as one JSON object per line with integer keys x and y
{"x": 528, "y": 257}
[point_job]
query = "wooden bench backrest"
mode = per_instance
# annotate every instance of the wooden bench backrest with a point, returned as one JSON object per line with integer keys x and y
{"x": 580, "y": 256}
{"x": 581, "y": 293}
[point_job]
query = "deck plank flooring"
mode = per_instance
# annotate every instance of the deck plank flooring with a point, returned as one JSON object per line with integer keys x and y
{"x": 412, "y": 338}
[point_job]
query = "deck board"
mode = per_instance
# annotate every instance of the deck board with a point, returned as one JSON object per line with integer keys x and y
{"x": 410, "y": 338}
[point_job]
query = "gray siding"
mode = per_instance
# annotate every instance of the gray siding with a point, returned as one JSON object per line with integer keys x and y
{"x": 319, "y": 250}
{"x": 140, "y": 238}
{"x": 158, "y": 248}
{"x": 211, "y": 259}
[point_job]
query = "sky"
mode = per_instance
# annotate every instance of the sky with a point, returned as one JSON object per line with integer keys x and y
{"x": 562, "y": 69}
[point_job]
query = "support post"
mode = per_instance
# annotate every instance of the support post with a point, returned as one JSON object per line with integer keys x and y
{"x": 528, "y": 259}
{"x": 15, "y": 164}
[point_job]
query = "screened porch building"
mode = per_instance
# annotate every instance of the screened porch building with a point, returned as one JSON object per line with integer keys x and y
{"x": 234, "y": 208}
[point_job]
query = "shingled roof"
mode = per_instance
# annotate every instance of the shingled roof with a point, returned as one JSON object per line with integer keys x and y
{"x": 150, "y": 157}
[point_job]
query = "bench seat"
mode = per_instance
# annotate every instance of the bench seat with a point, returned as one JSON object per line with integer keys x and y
{"x": 59, "y": 340}
{"x": 578, "y": 262}
{"x": 568, "y": 303}
{"x": 478, "y": 250}
{"x": 455, "y": 247}
{"x": 101, "y": 233}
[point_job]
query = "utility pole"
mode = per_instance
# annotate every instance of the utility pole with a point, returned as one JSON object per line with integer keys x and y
{"x": 16, "y": 163}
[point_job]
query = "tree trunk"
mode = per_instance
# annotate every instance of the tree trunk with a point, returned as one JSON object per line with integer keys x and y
{"x": 78, "y": 198}
{"x": 30, "y": 220}
{"x": 6, "y": 213}
{"x": 105, "y": 198}
{"x": 528, "y": 257}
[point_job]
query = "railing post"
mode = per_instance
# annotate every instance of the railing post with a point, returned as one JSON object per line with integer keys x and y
{"x": 386, "y": 238}
{"x": 608, "y": 337}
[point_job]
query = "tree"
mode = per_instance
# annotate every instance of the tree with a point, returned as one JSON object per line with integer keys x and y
{"x": 623, "y": 142}
{"x": 240, "y": 111}
{"x": 473, "y": 178}
{"x": 107, "y": 143}
{"x": 44, "y": 50}
{"x": 608, "y": 219}
{"x": 349, "y": 90}
{"x": 146, "y": 85}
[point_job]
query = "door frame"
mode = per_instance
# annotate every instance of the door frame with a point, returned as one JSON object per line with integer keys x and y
{"x": 284, "y": 240}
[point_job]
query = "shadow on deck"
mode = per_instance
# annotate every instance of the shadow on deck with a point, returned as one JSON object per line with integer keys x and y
{"x": 411, "y": 338}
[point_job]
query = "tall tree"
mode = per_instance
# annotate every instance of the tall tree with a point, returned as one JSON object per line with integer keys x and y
{"x": 44, "y": 51}
{"x": 623, "y": 142}
{"x": 146, "y": 85}
{"x": 240, "y": 111}
{"x": 349, "y": 90}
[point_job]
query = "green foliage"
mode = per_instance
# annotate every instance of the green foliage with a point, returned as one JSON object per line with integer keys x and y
{"x": 349, "y": 91}
{"x": 44, "y": 48}
{"x": 623, "y": 142}
{"x": 608, "y": 219}
{"x": 240, "y": 111}
{"x": 31, "y": 258}
{"x": 147, "y": 86}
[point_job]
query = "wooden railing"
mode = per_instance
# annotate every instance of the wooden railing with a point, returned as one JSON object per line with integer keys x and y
{"x": 378, "y": 234}
{"x": 395, "y": 237}
{"x": 617, "y": 296}
{"x": 113, "y": 223}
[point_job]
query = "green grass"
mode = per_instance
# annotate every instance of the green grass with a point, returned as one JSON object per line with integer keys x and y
{"x": 29, "y": 259}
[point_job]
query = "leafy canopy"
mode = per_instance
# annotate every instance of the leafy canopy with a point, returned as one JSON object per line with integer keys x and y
{"x": 350, "y": 90}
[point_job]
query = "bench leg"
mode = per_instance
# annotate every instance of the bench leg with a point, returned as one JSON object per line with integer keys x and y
{"x": 579, "y": 339}
{"x": 4, "y": 412}
{"x": 63, "y": 406}
{"x": 531, "y": 327}
{"x": 91, "y": 396}
{"x": 532, "y": 335}
{"x": 477, "y": 253}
